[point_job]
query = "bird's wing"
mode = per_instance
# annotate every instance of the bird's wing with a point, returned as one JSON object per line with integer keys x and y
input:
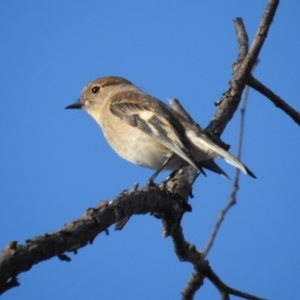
{"x": 203, "y": 142}
{"x": 153, "y": 118}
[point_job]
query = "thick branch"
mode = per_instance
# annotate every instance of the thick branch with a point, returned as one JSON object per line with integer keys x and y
{"x": 187, "y": 252}
{"x": 76, "y": 234}
{"x": 230, "y": 100}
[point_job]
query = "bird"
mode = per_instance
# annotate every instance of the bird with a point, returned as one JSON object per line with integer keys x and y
{"x": 145, "y": 131}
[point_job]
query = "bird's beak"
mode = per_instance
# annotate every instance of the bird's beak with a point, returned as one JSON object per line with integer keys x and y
{"x": 74, "y": 105}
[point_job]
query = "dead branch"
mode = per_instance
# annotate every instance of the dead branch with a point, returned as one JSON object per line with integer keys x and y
{"x": 16, "y": 259}
{"x": 235, "y": 186}
{"x": 276, "y": 100}
{"x": 231, "y": 99}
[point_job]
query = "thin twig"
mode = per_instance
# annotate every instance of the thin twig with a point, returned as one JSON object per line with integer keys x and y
{"x": 232, "y": 197}
{"x": 235, "y": 186}
{"x": 277, "y": 101}
{"x": 225, "y": 290}
{"x": 242, "y": 39}
{"x": 188, "y": 252}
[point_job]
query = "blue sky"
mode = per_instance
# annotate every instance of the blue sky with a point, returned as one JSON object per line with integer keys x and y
{"x": 55, "y": 163}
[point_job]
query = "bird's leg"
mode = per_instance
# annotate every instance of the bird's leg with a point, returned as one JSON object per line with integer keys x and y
{"x": 172, "y": 175}
{"x": 163, "y": 184}
{"x": 151, "y": 179}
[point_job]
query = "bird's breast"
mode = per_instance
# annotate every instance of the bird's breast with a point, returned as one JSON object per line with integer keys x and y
{"x": 134, "y": 145}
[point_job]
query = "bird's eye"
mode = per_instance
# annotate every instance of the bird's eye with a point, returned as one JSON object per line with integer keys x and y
{"x": 95, "y": 89}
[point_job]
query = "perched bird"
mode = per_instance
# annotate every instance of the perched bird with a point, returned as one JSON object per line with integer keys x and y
{"x": 147, "y": 132}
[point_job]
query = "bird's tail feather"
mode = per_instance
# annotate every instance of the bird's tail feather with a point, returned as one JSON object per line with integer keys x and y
{"x": 212, "y": 166}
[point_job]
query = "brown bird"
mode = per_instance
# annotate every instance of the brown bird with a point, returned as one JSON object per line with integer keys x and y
{"x": 147, "y": 132}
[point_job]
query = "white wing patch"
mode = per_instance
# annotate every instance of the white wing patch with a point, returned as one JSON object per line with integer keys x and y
{"x": 145, "y": 115}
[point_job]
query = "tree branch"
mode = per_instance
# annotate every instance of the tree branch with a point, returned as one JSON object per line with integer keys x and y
{"x": 187, "y": 252}
{"x": 235, "y": 186}
{"x": 277, "y": 101}
{"x": 231, "y": 99}
{"x": 76, "y": 234}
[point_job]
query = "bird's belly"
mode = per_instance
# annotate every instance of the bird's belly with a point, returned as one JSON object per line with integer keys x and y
{"x": 138, "y": 148}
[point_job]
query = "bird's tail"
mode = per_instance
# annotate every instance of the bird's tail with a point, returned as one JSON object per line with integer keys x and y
{"x": 212, "y": 166}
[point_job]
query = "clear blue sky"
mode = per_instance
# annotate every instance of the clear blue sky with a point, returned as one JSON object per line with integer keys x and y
{"x": 55, "y": 163}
